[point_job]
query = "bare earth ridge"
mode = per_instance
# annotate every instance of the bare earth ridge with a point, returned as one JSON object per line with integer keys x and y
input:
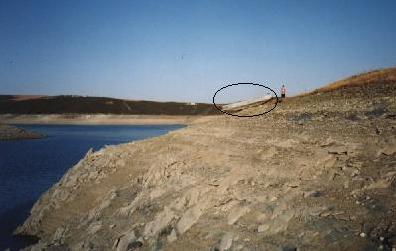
{"x": 317, "y": 173}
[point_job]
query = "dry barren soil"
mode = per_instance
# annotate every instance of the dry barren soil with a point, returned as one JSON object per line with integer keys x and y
{"x": 317, "y": 173}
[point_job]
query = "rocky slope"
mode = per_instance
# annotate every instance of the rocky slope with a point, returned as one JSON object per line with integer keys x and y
{"x": 317, "y": 173}
{"x": 8, "y": 132}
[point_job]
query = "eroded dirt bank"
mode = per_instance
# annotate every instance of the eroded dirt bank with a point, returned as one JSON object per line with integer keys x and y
{"x": 318, "y": 173}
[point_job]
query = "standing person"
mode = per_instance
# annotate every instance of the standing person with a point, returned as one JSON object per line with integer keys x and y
{"x": 283, "y": 91}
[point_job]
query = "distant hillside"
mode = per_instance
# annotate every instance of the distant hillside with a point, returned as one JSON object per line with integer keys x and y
{"x": 97, "y": 105}
{"x": 367, "y": 86}
{"x": 382, "y": 76}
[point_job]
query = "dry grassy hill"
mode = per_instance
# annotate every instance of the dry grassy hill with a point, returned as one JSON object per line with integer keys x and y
{"x": 363, "y": 79}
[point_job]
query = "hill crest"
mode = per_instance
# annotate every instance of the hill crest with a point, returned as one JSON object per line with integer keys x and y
{"x": 372, "y": 77}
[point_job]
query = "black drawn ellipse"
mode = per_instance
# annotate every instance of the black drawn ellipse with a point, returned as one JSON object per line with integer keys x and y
{"x": 228, "y": 108}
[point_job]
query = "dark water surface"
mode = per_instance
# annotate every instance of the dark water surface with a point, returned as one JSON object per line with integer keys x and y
{"x": 29, "y": 167}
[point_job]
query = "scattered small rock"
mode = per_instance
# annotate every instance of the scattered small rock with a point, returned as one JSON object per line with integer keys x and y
{"x": 288, "y": 248}
{"x": 262, "y": 228}
{"x": 313, "y": 193}
{"x": 338, "y": 150}
{"x": 59, "y": 235}
{"x": 239, "y": 247}
{"x": 226, "y": 242}
{"x": 236, "y": 213}
{"x": 133, "y": 245}
{"x": 172, "y": 236}
{"x": 126, "y": 241}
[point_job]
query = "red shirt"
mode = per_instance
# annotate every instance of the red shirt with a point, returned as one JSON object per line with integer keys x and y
{"x": 283, "y": 90}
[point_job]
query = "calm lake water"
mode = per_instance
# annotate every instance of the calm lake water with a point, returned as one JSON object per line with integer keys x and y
{"x": 29, "y": 167}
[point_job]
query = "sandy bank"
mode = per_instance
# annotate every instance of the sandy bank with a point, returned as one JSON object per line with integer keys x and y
{"x": 99, "y": 119}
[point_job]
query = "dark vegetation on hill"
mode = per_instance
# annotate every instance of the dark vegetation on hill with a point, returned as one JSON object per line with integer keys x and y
{"x": 99, "y": 105}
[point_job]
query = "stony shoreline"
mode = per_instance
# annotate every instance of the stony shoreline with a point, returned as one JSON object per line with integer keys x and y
{"x": 317, "y": 173}
{"x": 8, "y": 132}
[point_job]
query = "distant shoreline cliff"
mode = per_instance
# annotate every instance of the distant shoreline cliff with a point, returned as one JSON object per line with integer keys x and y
{"x": 8, "y": 132}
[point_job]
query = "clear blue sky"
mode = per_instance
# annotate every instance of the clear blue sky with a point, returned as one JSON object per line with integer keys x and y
{"x": 186, "y": 50}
